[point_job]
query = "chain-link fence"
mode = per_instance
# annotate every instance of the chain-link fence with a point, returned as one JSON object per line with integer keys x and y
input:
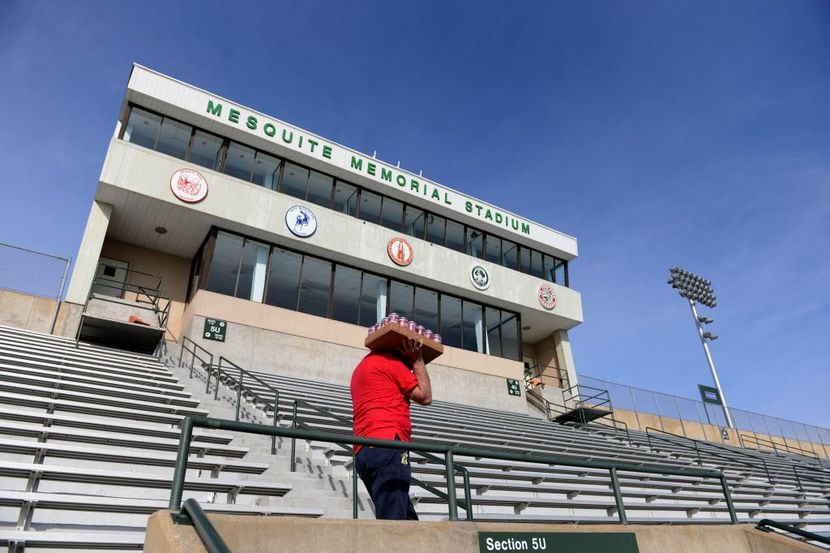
{"x": 691, "y": 412}
{"x": 34, "y": 273}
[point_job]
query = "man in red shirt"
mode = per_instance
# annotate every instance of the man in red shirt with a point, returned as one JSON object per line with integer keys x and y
{"x": 383, "y": 384}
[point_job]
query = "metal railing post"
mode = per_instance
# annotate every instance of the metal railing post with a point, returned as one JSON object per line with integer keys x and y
{"x": 452, "y": 501}
{"x": 354, "y": 485}
{"x": 239, "y": 392}
{"x": 293, "y": 439}
{"x": 58, "y": 299}
{"x": 177, "y": 487}
{"x": 615, "y": 485}
{"x": 729, "y": 505}
{"x": 276, "y": 415}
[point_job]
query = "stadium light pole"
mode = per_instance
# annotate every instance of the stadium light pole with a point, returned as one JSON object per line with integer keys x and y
{"x": 697, "y": 289}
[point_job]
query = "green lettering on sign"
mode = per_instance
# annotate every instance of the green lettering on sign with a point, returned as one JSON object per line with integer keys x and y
{"x": 215, "y": 109}
{"x": 558, "y": 542}
{"x": 215, "y": 330}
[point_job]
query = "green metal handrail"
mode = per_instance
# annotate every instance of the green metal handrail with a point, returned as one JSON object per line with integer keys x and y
{"x": 765, "y": 523}
{"x": 467, "y": 506}
{"x": 449, "y": 452}
{"x": 231, "y": 380}
{"x": 787, "y": 448}
{"x": 192, "y": 512}
{"x": 650, "y": 435}
{"x": 194, "y": 354}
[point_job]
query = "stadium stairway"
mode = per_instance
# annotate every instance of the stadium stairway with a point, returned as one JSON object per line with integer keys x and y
{"x": 530, "y": 492}
{"x": 88, "y": 446}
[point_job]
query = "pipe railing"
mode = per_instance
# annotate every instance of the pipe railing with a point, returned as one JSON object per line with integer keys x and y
{"x": 792, "y": 450}
{"x": 194, "y": 354}
{"x": 347, "y": 422}
{"x": 765, "y": 524}
{"x": 449, "y": 452}
{"x": 193, "y": 513}
{"x": 229, "y": 377}
{"x": 696, "y": 447}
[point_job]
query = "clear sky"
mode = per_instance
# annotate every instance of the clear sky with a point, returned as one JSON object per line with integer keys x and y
{"x": 692, "y": 133}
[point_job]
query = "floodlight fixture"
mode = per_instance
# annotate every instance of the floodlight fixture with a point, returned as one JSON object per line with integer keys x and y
{"x": 697, "y": 289}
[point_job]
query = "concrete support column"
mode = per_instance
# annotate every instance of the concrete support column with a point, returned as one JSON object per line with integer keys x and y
{"x": 89, "y": 252}
{"x": 564, "y": 355}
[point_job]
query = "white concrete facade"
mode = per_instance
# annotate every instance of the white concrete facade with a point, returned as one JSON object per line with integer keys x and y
{"x": 134, "y": 198}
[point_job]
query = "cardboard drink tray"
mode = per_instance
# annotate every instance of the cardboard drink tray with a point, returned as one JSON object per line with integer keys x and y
{"x": 392, "y": 336}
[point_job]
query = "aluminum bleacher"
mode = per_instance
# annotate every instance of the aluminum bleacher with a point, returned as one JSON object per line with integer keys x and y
{"x": 86, "y": 429}
{"x": 532, "y": 492}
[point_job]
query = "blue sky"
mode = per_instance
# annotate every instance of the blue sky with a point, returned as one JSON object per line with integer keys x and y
{"x": 691, "y": 133}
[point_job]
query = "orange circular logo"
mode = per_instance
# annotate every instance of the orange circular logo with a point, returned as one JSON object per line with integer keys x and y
{"x": 400, "y": 251}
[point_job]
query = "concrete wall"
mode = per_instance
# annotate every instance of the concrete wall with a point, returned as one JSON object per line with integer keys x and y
{"x": 289, "y": 535}
{"x": 270, "y": 339}
{"x": 26, "y": 311}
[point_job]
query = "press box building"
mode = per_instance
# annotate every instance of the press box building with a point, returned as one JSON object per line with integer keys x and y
{"x": 277, "y": 248}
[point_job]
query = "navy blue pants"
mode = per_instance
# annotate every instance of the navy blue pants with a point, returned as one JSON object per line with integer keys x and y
{"x": 386, "y": 474}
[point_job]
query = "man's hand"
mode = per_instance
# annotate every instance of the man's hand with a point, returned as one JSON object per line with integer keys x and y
{"x": 411, "y": 351}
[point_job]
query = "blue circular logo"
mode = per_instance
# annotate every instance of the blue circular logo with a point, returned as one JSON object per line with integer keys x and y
{"x": 300, "y": 221}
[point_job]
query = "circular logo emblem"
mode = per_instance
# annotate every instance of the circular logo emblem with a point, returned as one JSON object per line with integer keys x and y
{"x": 547, "y": 297}
{"x": 301, "y": 221}
{"x": 189, "y": 186}
{"x": 479, "y": 277}
{"x": 400, "y": 251}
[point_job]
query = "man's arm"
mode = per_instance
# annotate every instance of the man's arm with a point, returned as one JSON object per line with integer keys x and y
{"x": 422, "y": 393}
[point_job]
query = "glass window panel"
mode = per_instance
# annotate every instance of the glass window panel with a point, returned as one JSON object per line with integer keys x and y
{"x": 510, "y": 254}
{"x": 414, "y": 222}
{"x": 524, "y": 260}
{"x": 294, "y": 180}
{"x": 173, "y": 138}
{"x": 369, "y": 206}
{"x": 391, "y": 214}
{"x": 426, "y": 308}
{"x": 319, "y": 189}
{"x": 345, "y": 300}
{"x": 451, "y": 321}
{"x": 548, "y": 264}
{"x": 372, "y": 299}
{"x": 472, "y": 327}
{"x": 284, "y": 278}
{"x": 142, "y": 128}
{"x": 240, "y": 161}
{"x": 493, "y": 249}
{"x": 455, "y": 236}
{"x": 251, "y": 285}
{"x": 224, "y": 266}
{"x": 315, "y": 281}
{"x": 401, "y": 297}
{"x": 492, "y": 318}
{"x": 205, "y": 150}
{"x": 475, "y": 242}
{"x": 510, "y": 342}
{"x": 536, "y": 264}
{"x": 345, "y": 198}
{"x": 559, "y": 271}
{"x": 266, "y": 170}
{"x": 435, "y": 228}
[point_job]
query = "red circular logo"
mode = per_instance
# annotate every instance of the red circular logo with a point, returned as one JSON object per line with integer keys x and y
{"x": 189, "y": 186}
{"x": 400, "y": 251}
{"x": 547, "y": 297}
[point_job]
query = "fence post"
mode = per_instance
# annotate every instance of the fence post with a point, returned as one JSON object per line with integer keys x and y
{"x": 60, "y": 294}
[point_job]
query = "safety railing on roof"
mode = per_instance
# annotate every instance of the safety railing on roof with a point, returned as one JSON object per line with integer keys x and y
{"x": 449, "y": 454}
{"x": 772, "y": 444}
{"x": 147, "y": 292}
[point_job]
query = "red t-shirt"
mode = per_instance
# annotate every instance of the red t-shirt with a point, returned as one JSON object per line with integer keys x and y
{"x": 380, "y": 398}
